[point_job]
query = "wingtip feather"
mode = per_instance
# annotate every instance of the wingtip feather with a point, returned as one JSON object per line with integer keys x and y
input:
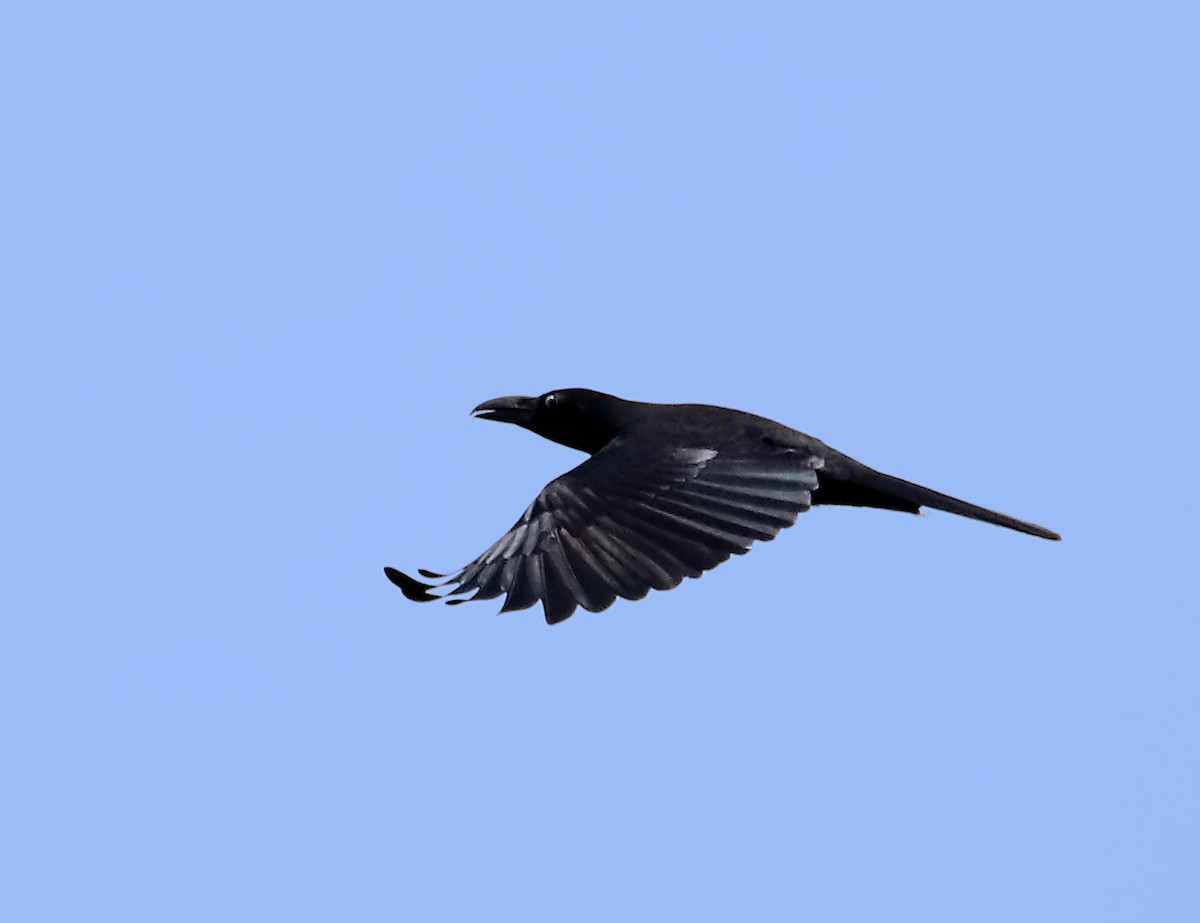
{"x": 413, "y": 589}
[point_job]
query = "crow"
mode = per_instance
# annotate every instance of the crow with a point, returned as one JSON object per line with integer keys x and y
{"x": 670, "y": 491}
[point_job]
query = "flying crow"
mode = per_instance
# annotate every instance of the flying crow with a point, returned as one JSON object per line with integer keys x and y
{"x": 670, "y": 491}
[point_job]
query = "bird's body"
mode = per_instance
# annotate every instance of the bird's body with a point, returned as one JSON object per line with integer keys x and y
{"x": 670, "y": 491}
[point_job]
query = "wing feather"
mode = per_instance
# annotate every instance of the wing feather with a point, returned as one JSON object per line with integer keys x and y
{"x": 526, "y": 588}
{"x": 598, "y": 587}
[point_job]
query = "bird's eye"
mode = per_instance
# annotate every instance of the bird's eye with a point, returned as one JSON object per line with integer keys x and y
{"x": 550, "y": 401}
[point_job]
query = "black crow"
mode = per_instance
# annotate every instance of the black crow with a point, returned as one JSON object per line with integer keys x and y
{"x": 670, "y": 491}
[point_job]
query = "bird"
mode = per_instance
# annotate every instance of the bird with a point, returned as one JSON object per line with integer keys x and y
{"x": 669, "y": 491}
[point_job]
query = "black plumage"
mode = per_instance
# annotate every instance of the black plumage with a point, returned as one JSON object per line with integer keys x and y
{"x": 670, "y": 491}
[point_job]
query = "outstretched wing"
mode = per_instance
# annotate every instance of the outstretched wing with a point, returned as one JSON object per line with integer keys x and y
{"x": 631, "y": 519}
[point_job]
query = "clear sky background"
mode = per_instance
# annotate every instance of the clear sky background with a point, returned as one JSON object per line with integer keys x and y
{"x": 260, "y": 260}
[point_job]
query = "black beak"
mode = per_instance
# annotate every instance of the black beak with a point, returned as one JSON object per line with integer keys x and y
{"x": 507, "y": 409}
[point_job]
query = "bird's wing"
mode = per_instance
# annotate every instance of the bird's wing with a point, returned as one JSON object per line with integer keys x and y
{"x": 630, "y": 519}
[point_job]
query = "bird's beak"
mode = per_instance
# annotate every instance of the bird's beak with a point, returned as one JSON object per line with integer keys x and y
{"x": 507, "y": 409}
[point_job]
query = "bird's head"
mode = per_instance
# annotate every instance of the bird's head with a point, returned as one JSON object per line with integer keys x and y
{"x": 575, "y": 417}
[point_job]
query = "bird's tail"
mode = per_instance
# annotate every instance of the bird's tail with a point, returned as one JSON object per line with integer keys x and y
{"x": 857, "y": 485}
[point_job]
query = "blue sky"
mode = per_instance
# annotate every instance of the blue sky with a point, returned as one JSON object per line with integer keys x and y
{"x": 259, "y": 261}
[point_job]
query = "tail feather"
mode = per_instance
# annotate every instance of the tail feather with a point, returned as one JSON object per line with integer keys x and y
{"x": 863, "y": 486}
